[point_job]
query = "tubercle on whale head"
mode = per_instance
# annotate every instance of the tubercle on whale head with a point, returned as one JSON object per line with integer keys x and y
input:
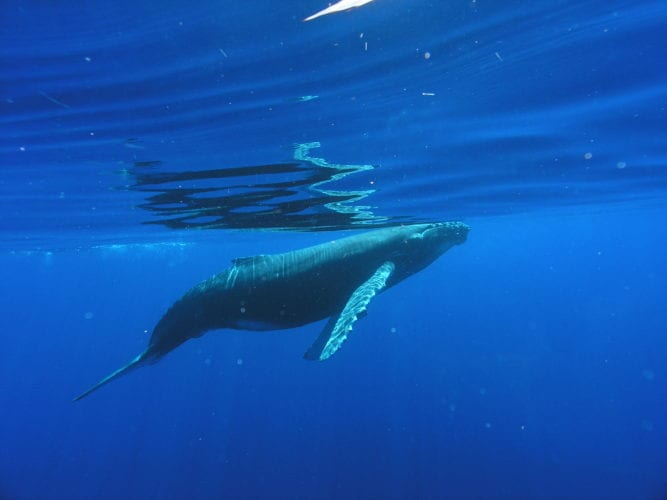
{"x": 444, "y": 232}
{"x": 457, "y": 231}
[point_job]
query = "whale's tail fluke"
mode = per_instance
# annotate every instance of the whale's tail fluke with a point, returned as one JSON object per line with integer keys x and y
{"x": 136, "y": 362}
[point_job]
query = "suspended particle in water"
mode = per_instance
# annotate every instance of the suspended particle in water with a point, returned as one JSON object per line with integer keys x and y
{"x": 588, "y": 156}
{"x": 239, "y": 361}
{"x": 48, "y": 258}
{"x": 88, "y": 315}
{"x": 427, "y": 55}
{"x": 621, "y": 165}
{"x": 647, "y": 425}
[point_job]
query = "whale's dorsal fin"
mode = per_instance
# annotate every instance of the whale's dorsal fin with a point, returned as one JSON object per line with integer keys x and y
{"x": 253, "y": 259}
{"x": 336, "y": 330}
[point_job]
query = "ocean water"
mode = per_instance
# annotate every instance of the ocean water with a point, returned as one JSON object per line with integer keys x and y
{"x": 143, "y": 145}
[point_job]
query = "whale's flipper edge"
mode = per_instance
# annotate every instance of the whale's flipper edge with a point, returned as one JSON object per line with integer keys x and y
{"x": 121, "y": 371}
{"x": 336, "y": 330}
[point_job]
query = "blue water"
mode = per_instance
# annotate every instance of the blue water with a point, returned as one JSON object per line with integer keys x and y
{"x": 144, "y": 144}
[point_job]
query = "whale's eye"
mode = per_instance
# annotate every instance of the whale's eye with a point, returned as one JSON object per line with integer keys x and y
{"x": 429, "y": 231}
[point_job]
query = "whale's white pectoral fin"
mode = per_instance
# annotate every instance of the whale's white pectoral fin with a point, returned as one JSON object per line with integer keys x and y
{"x": 338, "y": 7}
{"x": 336, "y": 330}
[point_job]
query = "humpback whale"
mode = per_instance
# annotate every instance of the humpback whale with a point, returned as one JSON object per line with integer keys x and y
{"x": 334, "y": 280}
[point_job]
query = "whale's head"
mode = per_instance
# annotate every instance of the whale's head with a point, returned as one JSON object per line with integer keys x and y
{"x": 423, "y": 243}
{"x": 437, "y": 237}
{"x": 442, "y": 233}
